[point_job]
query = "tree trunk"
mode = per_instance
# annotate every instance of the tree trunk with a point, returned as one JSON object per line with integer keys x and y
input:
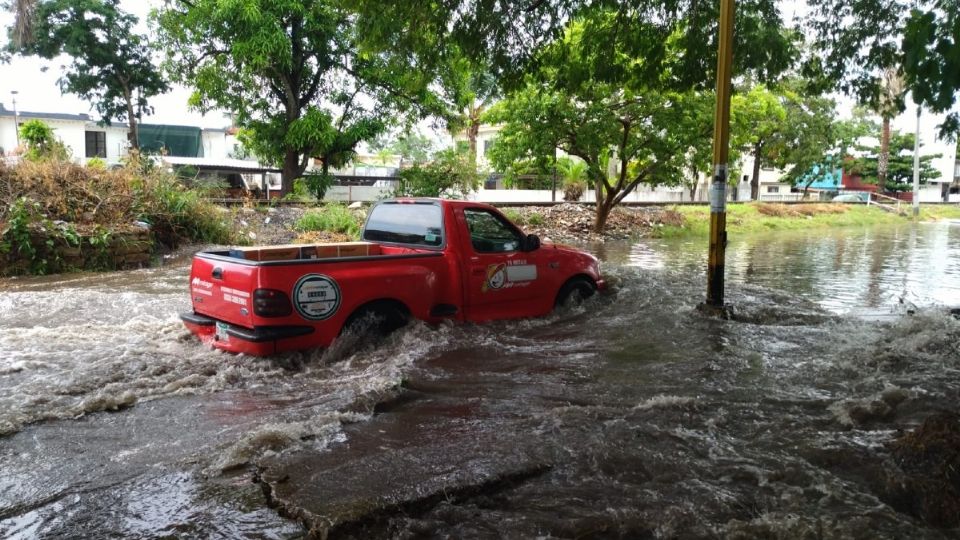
{"x": 133, "y": 133}
{"x": 472, "y": 131}
{"x": 292, "y": 170}
{"x": 755, "y": 179}
{"x": 884, "y": 158}
{"x": 603, "y": 212}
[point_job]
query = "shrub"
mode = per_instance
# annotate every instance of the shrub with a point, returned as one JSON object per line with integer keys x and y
{"x": 535, "y": 219}
{"x": 97, "y": 163}
{"x": 332, "y": 217}
{"x": 92, "y": 198}
{"x": 450, "y": 174}
{"x": 513, "y": 215}
{"x": 41, "y": 142}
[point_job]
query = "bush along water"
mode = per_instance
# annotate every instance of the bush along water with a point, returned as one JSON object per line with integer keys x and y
{"x": 58, "y": 216}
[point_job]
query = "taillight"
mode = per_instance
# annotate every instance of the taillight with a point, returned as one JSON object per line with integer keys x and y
{"x": 271, "y": 303}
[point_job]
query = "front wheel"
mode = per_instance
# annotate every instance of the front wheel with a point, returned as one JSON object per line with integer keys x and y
{"x": 575, "y": 291}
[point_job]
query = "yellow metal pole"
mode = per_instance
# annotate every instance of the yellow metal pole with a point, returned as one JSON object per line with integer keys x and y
{"x": 721, "y": 150}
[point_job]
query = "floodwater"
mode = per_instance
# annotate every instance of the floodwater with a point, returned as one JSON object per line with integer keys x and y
{"x": 632, "y": 416}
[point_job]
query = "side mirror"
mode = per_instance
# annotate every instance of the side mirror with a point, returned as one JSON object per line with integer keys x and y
{"x": 531, "y": 242}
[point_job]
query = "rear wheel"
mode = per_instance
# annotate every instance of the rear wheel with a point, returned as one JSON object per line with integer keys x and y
{"x": 378, "y": 319}
{"x": 575, "y": 291}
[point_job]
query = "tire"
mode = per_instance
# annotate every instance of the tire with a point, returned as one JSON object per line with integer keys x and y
{"x": 575, "y": 291}
{"x": 378, "y": 319}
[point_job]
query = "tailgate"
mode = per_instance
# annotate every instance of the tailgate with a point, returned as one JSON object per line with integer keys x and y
{"x": 223, "y": 290}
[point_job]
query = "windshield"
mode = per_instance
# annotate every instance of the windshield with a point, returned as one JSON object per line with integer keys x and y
{"x": 418, "y": 223}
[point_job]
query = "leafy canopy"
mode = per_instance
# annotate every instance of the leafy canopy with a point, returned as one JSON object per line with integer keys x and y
{"x": 857, "y": 43}
{"x": 111, "y": 65}
{"x": 297, "y": 73}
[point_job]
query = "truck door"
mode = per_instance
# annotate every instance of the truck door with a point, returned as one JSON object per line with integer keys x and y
{"x": 501, "y": 280}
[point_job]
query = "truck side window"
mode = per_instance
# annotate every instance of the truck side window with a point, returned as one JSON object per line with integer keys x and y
{"x": 489, "y": 233}
{"x": 419, "y": 224}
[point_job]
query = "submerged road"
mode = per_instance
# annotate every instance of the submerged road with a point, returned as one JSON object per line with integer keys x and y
{"x": 632, "y": 416}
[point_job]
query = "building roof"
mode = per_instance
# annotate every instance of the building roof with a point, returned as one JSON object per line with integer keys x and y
{"x": 236, "y": 165}
{"x": 82, "y": 117}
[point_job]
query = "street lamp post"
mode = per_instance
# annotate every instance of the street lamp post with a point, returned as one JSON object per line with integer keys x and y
{"x": 16, "y": 117}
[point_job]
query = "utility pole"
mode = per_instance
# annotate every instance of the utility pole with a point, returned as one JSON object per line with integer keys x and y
{"x": 916, "y": 168}
{"x": 721, "y": 151}
{"x": 16, "y": 117}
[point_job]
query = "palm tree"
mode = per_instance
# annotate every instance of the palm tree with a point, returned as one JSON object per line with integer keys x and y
{"x": 23, "y": 11}
{"x": 891, "y": 98}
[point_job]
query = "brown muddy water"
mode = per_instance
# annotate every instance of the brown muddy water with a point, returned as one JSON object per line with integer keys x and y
{"x": 632, "y": 416}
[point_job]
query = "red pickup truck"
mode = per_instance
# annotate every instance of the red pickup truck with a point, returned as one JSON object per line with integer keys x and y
{"x": 425, "y": 258}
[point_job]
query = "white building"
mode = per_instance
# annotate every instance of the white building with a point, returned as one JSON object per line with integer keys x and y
{"x": 78, "y": 132}
{"x": 86, "y": 139}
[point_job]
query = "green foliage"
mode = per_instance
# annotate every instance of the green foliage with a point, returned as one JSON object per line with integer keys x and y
{"x": 748, "y": 219}
{"x": 513, "y": 215}
{"x": 32, "y": 237}
{"x": 176, "y": 213}
{"x": 332, "y": 217}
{"x": 111, "y": 66}
{"x": 857, "y": 43}
{"x": 574, "y": 175}
{"x": 450, "y": 174}
{"x": 509, "y": 36}
{"x": 317, "y": 184}
{"x": 579, "y": 102}
{"x": 299, "y": 75}
{"x": 41, "y": 142}
{"x": 899, "y": 167}
{"x": 535, "y": 219}
{"x": 97, "y": 163}
{"x": 411, "y": 145}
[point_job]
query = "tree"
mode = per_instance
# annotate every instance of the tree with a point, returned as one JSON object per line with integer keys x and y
{"x": 23, "y": 17}
{"x": 111, "y": 63}
{"x": 450, "y": 174}
{"x": 298, "y": 74}
{"x": 473, "y": 89}
{"x": 412, "y": 146}
{"x": 857, "y": 43}
{"x": 619, "y": 83}
{"x": 757, "y": 118}
{"x": 900, "y": 167}
{"x": 825, "y": 146}
{"x": 597, "y": 123}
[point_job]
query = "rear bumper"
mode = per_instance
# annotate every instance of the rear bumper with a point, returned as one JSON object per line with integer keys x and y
{"x": 258, "y": 341}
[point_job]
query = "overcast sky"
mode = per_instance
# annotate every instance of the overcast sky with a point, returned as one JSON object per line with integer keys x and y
{"x": 39, "y": 92}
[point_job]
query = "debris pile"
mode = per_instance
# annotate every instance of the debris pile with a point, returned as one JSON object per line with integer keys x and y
{"x": 575, "y": 223}
{"x": 927, "y": 484}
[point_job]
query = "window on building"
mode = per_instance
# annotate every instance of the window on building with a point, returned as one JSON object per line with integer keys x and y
{"x": 96, "y": 144}
{"x": 487, "y": 145}
{"x": 773, "y": 189}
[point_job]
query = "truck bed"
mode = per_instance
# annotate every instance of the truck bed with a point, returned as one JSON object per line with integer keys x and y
{"x": 315, "y": 253}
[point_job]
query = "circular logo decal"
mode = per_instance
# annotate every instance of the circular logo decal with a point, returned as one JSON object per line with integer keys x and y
{"x": 316, "y": 297}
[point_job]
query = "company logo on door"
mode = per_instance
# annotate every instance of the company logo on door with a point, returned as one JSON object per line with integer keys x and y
{"x": 509, "y": 275}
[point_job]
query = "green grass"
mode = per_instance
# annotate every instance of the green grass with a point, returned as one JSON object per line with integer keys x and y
{"x": 938, "y": 212}
{"x": 513, "y": 215}
{"x": 332, "y": 217}
{"x": 746, "y": 218}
